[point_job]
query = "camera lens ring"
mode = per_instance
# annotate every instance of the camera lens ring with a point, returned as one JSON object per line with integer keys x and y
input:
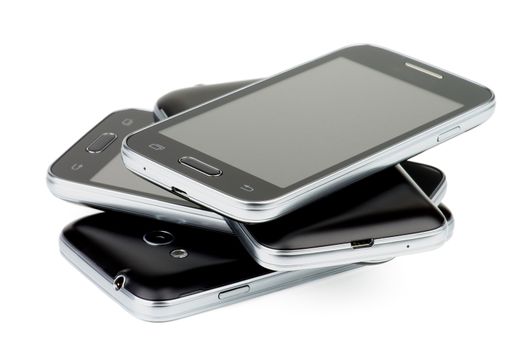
{"x": 157, "y": 238}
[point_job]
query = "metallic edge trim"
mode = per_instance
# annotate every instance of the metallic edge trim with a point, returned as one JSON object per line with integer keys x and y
{"x": 103, "y": 198}
{"x": 384, "y": 248}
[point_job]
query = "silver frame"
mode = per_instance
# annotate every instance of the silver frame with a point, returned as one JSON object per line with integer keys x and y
{"x": 339, "y": 254}
{"x": 167, "y": 310}
{"x": 261, "y": 211}
{"x": 103, "y": 198}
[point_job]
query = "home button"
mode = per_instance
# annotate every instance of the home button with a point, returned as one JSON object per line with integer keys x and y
{"x": 100, "y": 143}
{"x": 200, "y": 166}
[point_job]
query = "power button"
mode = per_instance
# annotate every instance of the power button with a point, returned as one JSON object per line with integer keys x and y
{"x": 233, "y": 292}
{"x": 449, "y": 134}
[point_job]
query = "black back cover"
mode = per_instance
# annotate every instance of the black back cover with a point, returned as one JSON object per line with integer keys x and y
{"x": 113, "y": 243}
{"x": 384, "y": 204}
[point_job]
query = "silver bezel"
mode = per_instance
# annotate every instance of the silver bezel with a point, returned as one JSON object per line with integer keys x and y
{"x": 167, "y": 310}
{"x": 103, "y": 198}
{"x": 261, "y": 211}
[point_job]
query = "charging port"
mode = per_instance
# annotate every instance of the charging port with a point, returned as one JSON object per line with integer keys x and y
{"x": 362, "y": 243}
{"x": 179, "y": 192}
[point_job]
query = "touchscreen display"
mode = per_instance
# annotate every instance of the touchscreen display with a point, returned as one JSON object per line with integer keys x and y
{"x": 302, "y": 125}
{"x": 116, "y": 174}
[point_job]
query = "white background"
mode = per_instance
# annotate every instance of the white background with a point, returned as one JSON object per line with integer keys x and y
{"x": 64, "y": 66}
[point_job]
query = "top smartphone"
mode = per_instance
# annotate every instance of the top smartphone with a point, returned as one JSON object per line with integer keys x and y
{"x": 275, "y": 145}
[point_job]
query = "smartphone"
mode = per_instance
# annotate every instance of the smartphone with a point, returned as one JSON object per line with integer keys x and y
{"x": 160, "y": 271}
{"x": 266, "y": 149}
{"x": 383, "y": 215}
{"x": 431, "y": 180}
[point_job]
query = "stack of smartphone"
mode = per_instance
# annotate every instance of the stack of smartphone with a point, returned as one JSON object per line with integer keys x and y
{"x": 229, "y": 191}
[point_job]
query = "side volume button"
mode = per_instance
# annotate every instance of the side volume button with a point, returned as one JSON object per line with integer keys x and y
{"x": 200, "y": 166}
{"x": 101, "y": 142}
{"x": 233, "y": 292}
{"x": 449, "y": 134}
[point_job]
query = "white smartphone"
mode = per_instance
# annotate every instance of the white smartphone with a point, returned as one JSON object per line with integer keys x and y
{"x": 266, "y": 149}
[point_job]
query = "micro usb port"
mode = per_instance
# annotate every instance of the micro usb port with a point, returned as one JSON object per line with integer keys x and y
{"x": 362, "y": 243}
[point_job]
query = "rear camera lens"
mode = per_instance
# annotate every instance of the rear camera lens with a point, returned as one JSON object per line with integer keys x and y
{"x": 158, "y": 238}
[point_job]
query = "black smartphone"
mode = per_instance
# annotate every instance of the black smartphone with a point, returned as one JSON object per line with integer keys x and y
{"x": 275, "y": 145}
{"x": 384, "y": 215}
{"x": 159, "y": 271}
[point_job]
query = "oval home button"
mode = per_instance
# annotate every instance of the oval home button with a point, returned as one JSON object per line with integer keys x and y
{"x": 200, "y": 166}
{"x": 101, "y": 142}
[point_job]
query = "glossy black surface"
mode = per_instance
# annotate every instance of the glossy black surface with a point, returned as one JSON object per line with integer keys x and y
{"x": 383, "y": 205}
{"x": 429, "y": 178}
{"x": 114, "y": 244}
{"x": 179, "y": 100}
